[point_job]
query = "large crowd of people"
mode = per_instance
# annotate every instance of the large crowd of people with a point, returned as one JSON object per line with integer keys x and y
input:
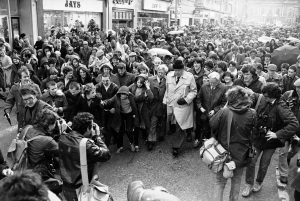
{"x": 150, "y": 84}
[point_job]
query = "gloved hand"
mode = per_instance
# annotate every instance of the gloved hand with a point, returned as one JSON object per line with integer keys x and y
{"x": 181, "y": 101}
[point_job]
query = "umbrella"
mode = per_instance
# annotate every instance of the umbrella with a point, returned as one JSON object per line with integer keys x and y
{"x": 160, "y": 51}
{"x": 292, "y": 39}
{"x": 176, "y": 32}
{"x": 285, "y": 54}
{"x": 264, "y": 39}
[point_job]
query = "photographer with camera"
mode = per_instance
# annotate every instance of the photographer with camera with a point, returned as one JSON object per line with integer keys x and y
{"x": 83, "y": 127}
{"x": 275, "y": 124}
{"x": 43, "y": 149}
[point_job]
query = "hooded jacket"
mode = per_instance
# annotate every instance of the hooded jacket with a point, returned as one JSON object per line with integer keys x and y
{"x": 243, "y": 122}
{"x": 115, "y": 102}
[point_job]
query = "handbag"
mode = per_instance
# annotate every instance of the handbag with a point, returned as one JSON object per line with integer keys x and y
{"x": 213, "y": 153}
{"x": 95, "y": 190}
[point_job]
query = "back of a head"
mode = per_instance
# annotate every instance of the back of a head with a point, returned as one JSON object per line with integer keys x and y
{"x": 137, "y": 192}
{"x": 25, "y": 186}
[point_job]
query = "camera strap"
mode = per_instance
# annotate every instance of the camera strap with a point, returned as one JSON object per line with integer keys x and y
{"x": 229, "y": 122}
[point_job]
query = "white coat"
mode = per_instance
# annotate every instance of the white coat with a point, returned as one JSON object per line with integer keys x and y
{"x": 185, "y": 88}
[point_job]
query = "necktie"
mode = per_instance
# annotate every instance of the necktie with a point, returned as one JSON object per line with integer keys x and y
{"x": 177, "y": 80}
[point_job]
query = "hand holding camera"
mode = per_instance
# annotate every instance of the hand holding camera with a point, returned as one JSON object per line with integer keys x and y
{"x": 95, "y": 130}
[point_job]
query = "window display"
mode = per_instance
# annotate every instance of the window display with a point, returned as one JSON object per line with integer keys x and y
{"x": 69, "y": 19}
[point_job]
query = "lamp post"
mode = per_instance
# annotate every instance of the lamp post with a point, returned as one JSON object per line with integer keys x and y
{"x": 9, "y": 24}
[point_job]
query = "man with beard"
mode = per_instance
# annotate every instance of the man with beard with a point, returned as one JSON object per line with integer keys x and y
{"x": 14, "y": 97}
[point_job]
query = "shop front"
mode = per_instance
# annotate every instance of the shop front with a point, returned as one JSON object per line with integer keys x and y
{"x": 123, "y": 14}
{"x": 9, "y": 20}
{"x": 72, "y": 14}
{"x": 154, "y": 13}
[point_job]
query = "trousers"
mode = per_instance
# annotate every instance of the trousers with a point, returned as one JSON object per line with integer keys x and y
{"x": 234, "y": 188}
{"x": 283, "y": 166}
{"x": 263, "y": 166}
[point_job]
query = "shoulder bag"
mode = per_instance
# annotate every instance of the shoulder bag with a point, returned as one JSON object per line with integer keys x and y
{"x": 93, "y": 191}
{"x": 212, "y": 153}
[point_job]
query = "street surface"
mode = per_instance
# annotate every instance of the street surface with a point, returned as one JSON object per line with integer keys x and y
{"x": 186, "y": 177}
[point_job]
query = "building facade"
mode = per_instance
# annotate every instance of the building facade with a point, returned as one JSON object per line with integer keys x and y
{"x": 272, "y": 12}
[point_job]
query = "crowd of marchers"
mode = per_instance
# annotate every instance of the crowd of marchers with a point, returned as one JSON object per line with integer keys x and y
{"x": 150, "y": 84}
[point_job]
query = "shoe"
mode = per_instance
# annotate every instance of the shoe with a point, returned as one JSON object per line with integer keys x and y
{"x": 256, "y": 187}
{"x": 137, "y": 149}
{"x": 283, "y": 180}
{"x": 196, "y": 143}
{"x": 120, "y": 150}
{"x": 132, "y": 147}
{"x": 247, "y": 190}
{"x": 175, "y": 152}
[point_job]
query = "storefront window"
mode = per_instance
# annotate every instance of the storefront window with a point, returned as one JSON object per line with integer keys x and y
{"x": 152, "y": 19}
{"x": 122, "y": 18}
{"x": 70, "y": 19}
{"x": 4, "y": 28}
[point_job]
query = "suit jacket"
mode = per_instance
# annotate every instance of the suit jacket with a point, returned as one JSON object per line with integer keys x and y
{"x": 212, "y": 99}
{"x": 158, "y": 90}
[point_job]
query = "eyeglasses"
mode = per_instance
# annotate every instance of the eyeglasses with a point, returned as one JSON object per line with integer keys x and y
{"x": 28, "y": 99}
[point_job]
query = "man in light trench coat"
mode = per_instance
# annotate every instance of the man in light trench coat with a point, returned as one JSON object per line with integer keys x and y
{"x": 181, "y": 89}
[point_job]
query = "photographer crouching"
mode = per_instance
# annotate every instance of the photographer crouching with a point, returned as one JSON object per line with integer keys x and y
{"x": 83, "y": 127}
{"x": 43, "y": 149}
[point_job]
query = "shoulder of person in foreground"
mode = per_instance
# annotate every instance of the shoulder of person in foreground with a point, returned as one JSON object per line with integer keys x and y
{"x": 23, "y": 185}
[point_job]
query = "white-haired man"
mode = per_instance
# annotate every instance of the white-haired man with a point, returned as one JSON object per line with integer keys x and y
{"x": 158, "y": 110}
{"x": 210, "y": 99}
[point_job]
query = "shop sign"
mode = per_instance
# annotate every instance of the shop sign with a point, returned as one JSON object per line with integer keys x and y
{"x": 156, "y": 5}
{"x": 74, "y": 5}
{"x": 127, "y": 4}
{"x": 122, "y": 2}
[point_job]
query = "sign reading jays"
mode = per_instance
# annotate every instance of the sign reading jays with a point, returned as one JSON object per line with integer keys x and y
{"x": 72, "y": 4}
